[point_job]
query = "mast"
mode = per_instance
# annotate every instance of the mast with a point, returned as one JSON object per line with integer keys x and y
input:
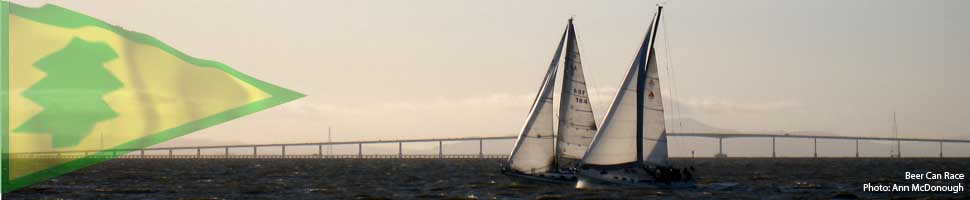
{"x": 641, "y": 82}
{"x": 563, "y": 101}
{"x": 899, "y": 154}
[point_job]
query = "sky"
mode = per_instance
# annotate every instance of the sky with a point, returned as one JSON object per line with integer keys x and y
{"x": 446, "y": 68}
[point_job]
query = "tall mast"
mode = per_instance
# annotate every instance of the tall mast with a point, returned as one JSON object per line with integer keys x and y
{"x": 899, "y": 154}
{"x": 570, "y": 41}
{"x": 641, "y": 82}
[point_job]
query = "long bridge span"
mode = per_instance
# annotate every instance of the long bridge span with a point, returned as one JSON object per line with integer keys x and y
{"x": 141, "y": 153}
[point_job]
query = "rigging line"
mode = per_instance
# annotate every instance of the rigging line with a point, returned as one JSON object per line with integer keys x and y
{"x": 558, "y": 95}
{"x": 675, "y": 106}
{"x": 669, "y": 92}
{"x": 670, "y": 72}
{"x": 556, "y": 87}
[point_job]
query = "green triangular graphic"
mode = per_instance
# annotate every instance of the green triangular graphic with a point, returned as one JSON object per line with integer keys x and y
{"x": 72, "y": 94}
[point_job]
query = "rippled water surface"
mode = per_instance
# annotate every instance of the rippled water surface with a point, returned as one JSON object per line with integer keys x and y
{"x": 470, "y": 179}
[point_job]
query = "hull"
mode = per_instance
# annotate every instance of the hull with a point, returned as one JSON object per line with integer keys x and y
{"x": 565, "y": 178}
{"x": 634, "y": 177}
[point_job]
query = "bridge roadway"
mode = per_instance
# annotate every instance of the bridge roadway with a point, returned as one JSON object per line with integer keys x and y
{"x": 440, "y": 141}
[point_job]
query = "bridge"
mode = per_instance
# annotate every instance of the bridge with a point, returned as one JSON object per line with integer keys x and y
{"x": 131, "y": 153}
{"x": 721, "y": 136}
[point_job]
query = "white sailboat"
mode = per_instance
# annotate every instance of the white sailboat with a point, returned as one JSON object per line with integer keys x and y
{"x": 549, "y": 147}
{"x": 630, "y": 148}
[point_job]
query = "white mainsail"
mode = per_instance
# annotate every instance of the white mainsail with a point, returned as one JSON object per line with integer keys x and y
{"x": 534, "y": 151}
{"x": 616, "y": 141}
{"x": 654, "y": 131}
{"x": 576, "y": 123}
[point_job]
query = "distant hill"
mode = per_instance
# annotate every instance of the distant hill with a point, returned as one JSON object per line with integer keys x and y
{"x": 695, "y": 126}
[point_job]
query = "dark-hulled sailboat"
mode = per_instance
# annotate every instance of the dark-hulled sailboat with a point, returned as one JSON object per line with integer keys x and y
{"x": 630, "y": 148}
{"x": 549, "y": 147}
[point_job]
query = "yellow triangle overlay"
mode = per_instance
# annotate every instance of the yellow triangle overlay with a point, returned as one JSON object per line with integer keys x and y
{"x": 165, "y": 93}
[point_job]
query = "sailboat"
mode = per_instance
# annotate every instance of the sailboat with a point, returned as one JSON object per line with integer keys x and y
{"x": 549, "y": 147}
{"x": 630, "y": 148}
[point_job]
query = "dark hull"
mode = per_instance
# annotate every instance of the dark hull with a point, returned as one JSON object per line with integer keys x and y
{"x": 628, "y": 177}
{"x": 587, "y": 182}
{"x": 547, "y": 178}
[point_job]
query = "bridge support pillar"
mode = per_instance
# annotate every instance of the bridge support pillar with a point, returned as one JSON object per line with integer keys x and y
{"x": 254, "y": 152}
{"x": 198, "y": 152}
{"x": 899, "y": 148}
{"x": 941, "y": 149}
{"x": 227, "y": 152}
{"x": 283, "y": 150}
{"x": 360, "y": 150}
{"x": 440, "y": 151}
{"x": 481, "y": 148}
{"x": 773, "y": 147}
{"x": 142, "y": 153}
{"x": 169, "y": 153}
{"x": 400, "y": 150}
{"x": 720, "y": 146}
{"x": 815, "y": 147}
{"x": 857, "y": 148}
{"x": 320, "y": 151}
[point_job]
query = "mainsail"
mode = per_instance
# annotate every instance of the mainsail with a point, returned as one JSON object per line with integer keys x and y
{"x": 633, "y": 129}
{"x": 654, "y": 132}
{"x": 576, "y": 124}
{"x": 534, "y": 151}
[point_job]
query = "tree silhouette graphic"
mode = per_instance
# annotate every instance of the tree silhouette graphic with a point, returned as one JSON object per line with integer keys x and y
{"x": 71, "y": 92}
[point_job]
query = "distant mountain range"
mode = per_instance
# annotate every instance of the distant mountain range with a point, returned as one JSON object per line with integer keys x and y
{"x": 694, "y": 126}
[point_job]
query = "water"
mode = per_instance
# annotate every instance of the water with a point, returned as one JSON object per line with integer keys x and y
{"x": 469, "y": 179}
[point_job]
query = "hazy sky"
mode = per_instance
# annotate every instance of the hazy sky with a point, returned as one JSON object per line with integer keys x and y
{"x": 446, "y": 68}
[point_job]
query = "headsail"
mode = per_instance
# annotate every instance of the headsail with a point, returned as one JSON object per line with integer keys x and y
{"x": 534, "y": 150}
{"x": 576, "y": 123}
{"x": 633, "y": 129}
